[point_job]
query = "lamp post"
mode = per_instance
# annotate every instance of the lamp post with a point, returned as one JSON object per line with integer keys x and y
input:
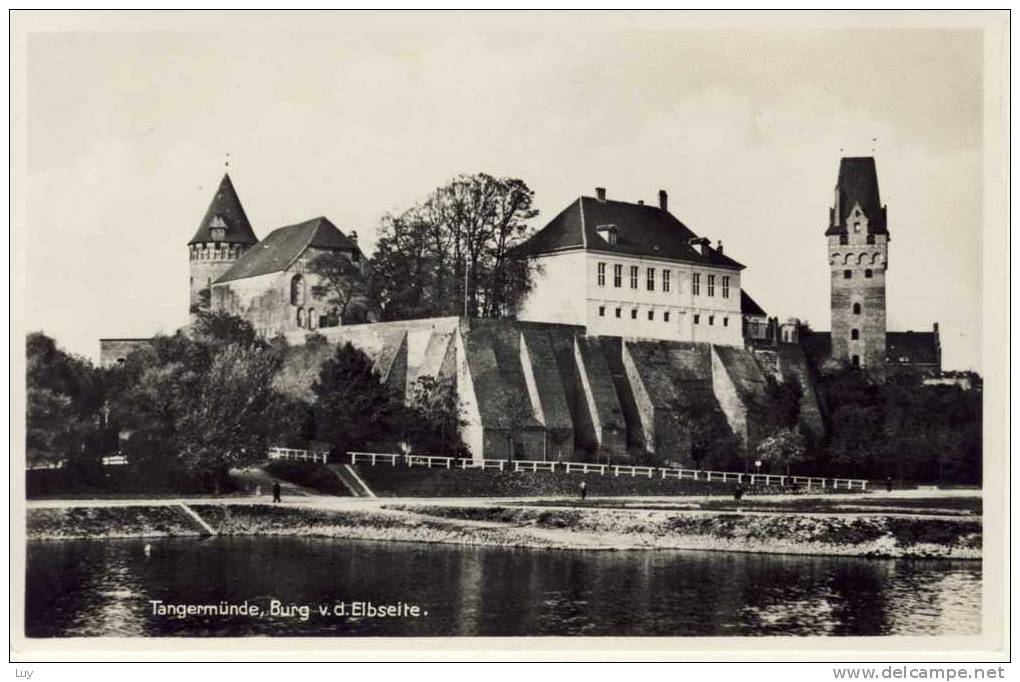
{"x": 757, "y": 468}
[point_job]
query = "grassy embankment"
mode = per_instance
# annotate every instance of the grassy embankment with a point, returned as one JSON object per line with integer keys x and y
{"x": 875, "y": 535}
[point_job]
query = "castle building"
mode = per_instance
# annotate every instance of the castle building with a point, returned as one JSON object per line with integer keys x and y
{"x": 223, "y": 236}
{"x": 628, "y": 269}
{"x": 857, "y": 242}
{"x": 271, "y": 285}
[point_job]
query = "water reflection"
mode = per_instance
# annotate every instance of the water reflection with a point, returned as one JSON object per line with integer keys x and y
{"x": 103, "y": 588}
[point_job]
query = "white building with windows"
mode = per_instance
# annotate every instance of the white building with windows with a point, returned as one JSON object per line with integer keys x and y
{"x": 632, "y": 270}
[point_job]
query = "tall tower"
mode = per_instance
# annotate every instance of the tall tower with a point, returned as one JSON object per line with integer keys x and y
{"x": 222, "y": 237}
{"x": 858, "y": 242}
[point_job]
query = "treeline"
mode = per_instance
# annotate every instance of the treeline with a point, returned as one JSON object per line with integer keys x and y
{"x": 204, "y": 400}
{"x": 901, "y": 429}
{"x": 449, "y": 254}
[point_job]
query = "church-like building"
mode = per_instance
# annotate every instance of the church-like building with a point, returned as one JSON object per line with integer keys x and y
{"x": 267, "y": 282}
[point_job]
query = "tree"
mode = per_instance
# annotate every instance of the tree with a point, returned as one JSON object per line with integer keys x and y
{"x": 66, "y": 396}
{"x": 218, "y": 329}
{"x": 451, "y": 253}
{"x": 434, "y": 418}
{"x": 352, "y": 408}
{"x": 202, "y": 400}
{"x": 782, "y": 448}
{"x": 341, "y": 286}
{"x": 781, "y": 405}
{"x": 230, "y": 420}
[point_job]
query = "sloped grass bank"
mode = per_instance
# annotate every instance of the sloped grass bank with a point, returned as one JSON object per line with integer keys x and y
{"x": 403, "y": 481}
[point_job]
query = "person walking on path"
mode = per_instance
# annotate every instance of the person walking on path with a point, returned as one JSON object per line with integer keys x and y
{"x": 584, "y": 490}
{"x": 276, "y": 491}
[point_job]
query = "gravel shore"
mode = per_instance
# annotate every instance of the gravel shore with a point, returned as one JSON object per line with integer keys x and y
{"x": 870, "y": 535}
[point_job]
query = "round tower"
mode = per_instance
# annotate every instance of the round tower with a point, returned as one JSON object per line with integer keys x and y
{"x": 222, "y": 238}
{"x": 858, "y": 243}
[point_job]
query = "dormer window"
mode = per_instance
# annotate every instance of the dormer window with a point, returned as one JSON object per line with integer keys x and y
{"x": 607, "y": 232}
{"x": 217, "y": 228}
{"x": 857, "y": 226}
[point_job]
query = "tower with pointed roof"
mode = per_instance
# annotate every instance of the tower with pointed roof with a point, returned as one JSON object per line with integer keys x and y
{"x": 222, "y": 238}
{"x": 858, "y": 243}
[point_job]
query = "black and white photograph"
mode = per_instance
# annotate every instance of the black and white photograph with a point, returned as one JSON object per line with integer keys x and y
{"x": 564, "y": 325}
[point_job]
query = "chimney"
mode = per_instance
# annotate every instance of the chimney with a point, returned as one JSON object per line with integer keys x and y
{"x": 353, "y": 236}
{"x": 640, "y": 202}
{"x": 718, "y": 246}
{"x": 663, "y": 200}
{"x": 600, "y": 192}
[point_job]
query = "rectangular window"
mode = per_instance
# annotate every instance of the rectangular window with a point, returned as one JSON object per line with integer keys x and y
{"x": 696, "y": 284}
{"x": 617, "y": 276}
{"x": 633, "y": 313}
{"x": 697, "y": 318}
{"x": 651, "y": 315}
{"x": 602, "y": 311}
{"x": 665, "y": 280}
{"x": 711, "y": 319}
{"x": 602, "y": 274}
{"x": 665, "y": 316}
{"x": 711, "y": 285}
{"x": 633, "y": 276}
{"x": 842, "y": 240}
{"x": 726, "y": 322}
{"x": 871, "y": 239}
{"x": 618, "y": 311}
{"x": 725, "y": 287}
{"x": 847, "y": 274}
{"x": 867, "y": 273}
{"x": 651, "y": 279}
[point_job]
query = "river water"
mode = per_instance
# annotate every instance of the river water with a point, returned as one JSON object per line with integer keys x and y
{"x": 107, "y": 588}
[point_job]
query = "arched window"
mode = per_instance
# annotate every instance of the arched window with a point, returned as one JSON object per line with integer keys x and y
{"x": 835, "y": 259}
{"x": 862, "y": 259}
{"x": 854, "y": 334}
{"x": 311, "y": 319}
{"x": 301, "y": 317}
{"x": 848, "y": 258}
{"x": 297, "y": 290}
{"x": 857, "y": 308}
{"x": 877, "y": 258}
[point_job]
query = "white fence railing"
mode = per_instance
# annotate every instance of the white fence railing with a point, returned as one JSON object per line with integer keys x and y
{"x": 433, "y": 461}
{"x": 374, "y": 458}
{"x": 296, "y": 455}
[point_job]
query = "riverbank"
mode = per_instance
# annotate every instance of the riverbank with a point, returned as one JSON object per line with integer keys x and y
{"x": 551, "y": 526}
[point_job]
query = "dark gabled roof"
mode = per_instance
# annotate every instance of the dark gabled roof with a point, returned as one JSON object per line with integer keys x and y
{"x": 858, "y": 184}
{"x": 748, "y": 306}
{"x": 284, "y": 245}
{"x": 642, "y": 230}
{"x": 225, "y": 211}
{"x": 916, "y": 348}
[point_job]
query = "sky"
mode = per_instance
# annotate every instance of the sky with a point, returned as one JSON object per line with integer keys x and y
{"x": 128, "y": 132}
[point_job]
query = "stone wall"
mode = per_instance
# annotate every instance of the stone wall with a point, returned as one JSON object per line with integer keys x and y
{"x": 114, "y": 351}
{"x": 545, "y": 391}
